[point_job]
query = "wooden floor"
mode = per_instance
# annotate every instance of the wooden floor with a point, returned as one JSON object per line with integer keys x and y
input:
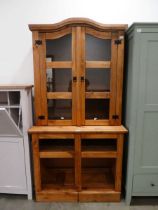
{"x": 18, "y": 202}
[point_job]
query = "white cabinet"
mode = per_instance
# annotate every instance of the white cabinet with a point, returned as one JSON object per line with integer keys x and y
{"x": 15, "y": 120}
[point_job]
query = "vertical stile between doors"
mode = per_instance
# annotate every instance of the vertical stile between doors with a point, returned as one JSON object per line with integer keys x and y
{"x": 74, "y": 74}
{"x": 80, "y": 66}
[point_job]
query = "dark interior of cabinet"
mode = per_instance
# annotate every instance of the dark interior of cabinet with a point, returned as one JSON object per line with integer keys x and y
{"x": 56, "y": 144}
{"x": 98, "y": 173}
{"x": 97, "y": 109}
{"x": 97, "y": 49}
{"x": 59, "y": 109}
{"x": 14, "y": 98}
{"x": 98, "y": 145}
{"x": 3, "y": 98}
{"x": 59, "y": 80}
{"x": 60, "y": 49}
{"x": 97, "y": 80}
{"x": 57, "y": 173}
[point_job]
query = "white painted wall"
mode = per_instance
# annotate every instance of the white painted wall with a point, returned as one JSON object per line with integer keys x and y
{"x": 16, "y": 63}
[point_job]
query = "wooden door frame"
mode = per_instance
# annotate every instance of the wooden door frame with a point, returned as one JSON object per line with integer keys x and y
{"x": 67, "y": 64}
{"x": 113, "y": 79}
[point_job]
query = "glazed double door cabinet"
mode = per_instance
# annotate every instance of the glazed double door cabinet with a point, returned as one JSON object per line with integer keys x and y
{"x": 78, "y": 137}
{"x": 78, "y": 70}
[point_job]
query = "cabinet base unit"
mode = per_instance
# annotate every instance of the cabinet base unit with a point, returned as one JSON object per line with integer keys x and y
{"x": 74, "y": 163}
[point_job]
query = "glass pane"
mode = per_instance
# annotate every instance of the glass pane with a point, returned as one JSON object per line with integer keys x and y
{"x": 97, "y": 80}
{"x": 59, "y": 109}
{"x": 97, "y": 109}
{"x": 59, "y": 49}
{"x": 59, "y": 80}
{"x": 14, "y": 97}
{"x": 3, "y": 98}
{"x": 97, "y": 49}
{"x": 16, "y": 114}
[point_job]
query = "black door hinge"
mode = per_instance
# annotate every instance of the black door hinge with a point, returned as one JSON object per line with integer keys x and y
{"x": 118, "y": 41}
{"x": 38, "y": 42}
{"x": 41, "y": 117}
{"x": 115, "y": 117}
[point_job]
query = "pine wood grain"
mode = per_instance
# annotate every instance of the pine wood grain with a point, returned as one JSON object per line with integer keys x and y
{"x": 77, "y": 129}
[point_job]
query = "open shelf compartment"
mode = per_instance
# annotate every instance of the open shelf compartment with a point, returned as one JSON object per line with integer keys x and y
{"x": 57, "y": 174}
{"x": 56, "y": 148}
{"x": 99, "y": 148}
{"x": 98, "y": 174}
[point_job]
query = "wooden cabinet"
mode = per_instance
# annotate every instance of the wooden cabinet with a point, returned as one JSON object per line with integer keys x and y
{"x": 141, "y": 114}
{"x": 78, "y": 66}
{"x": 15, "y": 119}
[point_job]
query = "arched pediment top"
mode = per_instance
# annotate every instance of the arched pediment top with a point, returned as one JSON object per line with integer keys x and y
{"x": 76, "y": 22}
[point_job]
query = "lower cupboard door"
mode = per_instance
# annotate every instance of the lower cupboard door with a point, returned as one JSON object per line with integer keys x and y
{"x": 12, "y": 165}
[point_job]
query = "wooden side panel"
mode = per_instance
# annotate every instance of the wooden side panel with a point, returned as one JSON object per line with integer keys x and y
{"x": 113, "y": 79}
{"x": 37, "y": 78}
{"x": 118, "y": 171}
{"x": 36, "y": 161}
{"x": 40, "y": 79}
{"x": 43, "y": 85}
{"x": 119, "y": 84}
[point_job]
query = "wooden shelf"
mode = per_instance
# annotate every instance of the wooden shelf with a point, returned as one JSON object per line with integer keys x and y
{"x": 58, "y": 179}
{"x": 97, "y": 178}
{"x": 76, "y": 129}
{"x": 56, "y": 152}
{"x": 98, "y": 95}
{"x": 99, "y": 152}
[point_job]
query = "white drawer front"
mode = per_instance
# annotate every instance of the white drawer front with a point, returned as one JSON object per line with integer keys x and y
{"x": 145, "y": 183}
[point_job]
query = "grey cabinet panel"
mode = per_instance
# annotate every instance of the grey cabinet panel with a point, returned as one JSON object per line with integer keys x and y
{"x": 146, "y": 146}
{"x": 7, "y": 125}
{"x": 141, "y": 114}
{"x": 12, "y": 176}
{"x": 15, "y": 120}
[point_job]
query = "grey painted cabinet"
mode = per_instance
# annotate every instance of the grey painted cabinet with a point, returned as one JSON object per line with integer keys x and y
{"x": 141, "y": 114}
{"x": 15, "y": 120}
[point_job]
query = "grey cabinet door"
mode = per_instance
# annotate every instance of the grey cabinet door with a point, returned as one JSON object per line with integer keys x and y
{"x": 146, "y": 144}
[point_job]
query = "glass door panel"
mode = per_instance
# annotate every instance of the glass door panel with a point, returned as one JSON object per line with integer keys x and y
{"x": 59, "y": 49}
{"x": 59, "y": 80}
{"x": 59, "y": 109}
{"x": 59, "y": 76}
{"x": 97, "y": 109}
{"x": 97, "y": 49}
{"x": 97, "y": 80}
{"x": 98, "y": 55}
